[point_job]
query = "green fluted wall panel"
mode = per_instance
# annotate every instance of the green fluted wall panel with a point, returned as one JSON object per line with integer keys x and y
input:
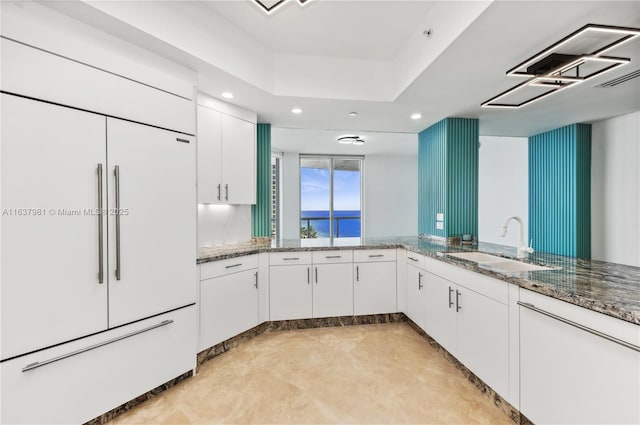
{"x": 560, "y": 191}
{"x": 432, "y": 177}
{"x": 448, "y": 177}
{"x": 462, "y": 176}
{"x": 261, "y": 211}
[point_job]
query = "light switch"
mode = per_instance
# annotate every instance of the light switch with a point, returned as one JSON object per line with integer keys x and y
{"x": 439, "y": 217}
{"x": 439, "y": 225}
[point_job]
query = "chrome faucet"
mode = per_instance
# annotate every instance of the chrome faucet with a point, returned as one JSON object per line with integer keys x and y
{"x": 522, "y": 248}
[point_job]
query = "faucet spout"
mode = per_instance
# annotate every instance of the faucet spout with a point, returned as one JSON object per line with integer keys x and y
{"x": 522, "y": 248}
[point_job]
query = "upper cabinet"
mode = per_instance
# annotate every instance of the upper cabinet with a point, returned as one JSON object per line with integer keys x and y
{"x": 226, "y": 155}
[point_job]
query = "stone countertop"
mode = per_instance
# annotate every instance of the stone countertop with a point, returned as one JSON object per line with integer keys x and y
{"x": 608, "y": 288}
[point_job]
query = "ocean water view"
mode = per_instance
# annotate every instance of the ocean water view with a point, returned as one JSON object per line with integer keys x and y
{"x": 346, "y": 223}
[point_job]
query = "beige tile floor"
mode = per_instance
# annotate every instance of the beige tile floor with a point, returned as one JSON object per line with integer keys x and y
{"x": 372, "y": 374}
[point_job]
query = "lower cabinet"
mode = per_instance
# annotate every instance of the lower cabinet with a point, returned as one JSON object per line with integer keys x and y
{"x": 416, "y": 295}
{"x": 80, "y": 380}
{"x": 228, "y": 300}
{"x": 290, "y": 292}
{"x": 571, "y": 376}
{"x": 470, "y": 323}
{"x": 374, "y": 288}
{"x": 333, "y": 290}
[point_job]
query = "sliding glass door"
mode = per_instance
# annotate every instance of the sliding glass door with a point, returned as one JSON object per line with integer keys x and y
{"x": 330, "y": 197}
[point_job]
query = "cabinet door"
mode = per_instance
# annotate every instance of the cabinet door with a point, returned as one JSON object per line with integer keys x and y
{"x": 50, "y": 289}
{"x": 440, "y": 315}
{"x": 290, "y": 292}
{"x": 156, "y": 240}
{"x": 570, "y": 376}
{"x": 209, "y": 156}
{"x": 416, "y": 304}
{"x": 333, "y": 290}
{"x": 228, "y": 307}
{"x": 238, "y": 161}
{"x": 374, "y": 288}
{"x": 483, "y": 338}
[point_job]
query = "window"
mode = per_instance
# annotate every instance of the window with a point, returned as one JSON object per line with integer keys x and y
{"x": 276, "y": 225}
{"x": 330, "y": 197}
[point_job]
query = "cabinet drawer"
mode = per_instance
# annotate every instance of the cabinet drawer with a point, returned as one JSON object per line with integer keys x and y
{"x": 79, "y": 387}
{"x": 373, "y": 255}
{"x": 232, "y": 265}
{"x": 415, "y": 259}
{"x": 333, "y": 256}
{"x": 289, "y": 258}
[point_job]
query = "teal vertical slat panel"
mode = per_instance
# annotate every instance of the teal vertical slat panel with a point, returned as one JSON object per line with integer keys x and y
{"x": 432, "y": 177}
{"x": 462, "y": 177}
{"x": 261, "y": 211}
{"x": 560, "y": 191}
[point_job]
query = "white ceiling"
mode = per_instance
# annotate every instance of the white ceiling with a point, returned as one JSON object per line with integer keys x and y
{"x": 329, "y": 63}
{"x": 329, "y": 28}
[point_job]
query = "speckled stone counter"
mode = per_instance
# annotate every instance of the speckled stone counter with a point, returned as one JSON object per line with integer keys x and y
{"x": 608, "y": 288}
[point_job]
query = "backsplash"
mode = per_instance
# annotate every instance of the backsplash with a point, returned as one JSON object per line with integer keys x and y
{"x": 223, "y": 224}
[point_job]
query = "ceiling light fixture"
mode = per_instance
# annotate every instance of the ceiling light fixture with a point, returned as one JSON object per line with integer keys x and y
{"x": 269, "y": 6}
{"x": 353, "y": 114}
{"x": 547, "y": 69}
{"x": 296, "y": 110}
{"x": 227, "y": 95}
{"x": 351, "y": 140}
{"x": 416, "y": 116}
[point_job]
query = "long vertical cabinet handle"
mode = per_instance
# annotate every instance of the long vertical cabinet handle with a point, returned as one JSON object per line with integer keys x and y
{"x": 219, "y": 192}
{"x": 256, "y": 284}
{"x": 116, "y": 173}
{"x": 316, "y": 275}
{"x": 357, "y": 273}
{"x": 450, "y": 301}
{"x": 458, "y": 306}
{"x": 419, "y": 281}
{"x": 100, "y": 229}
{"x": 226, "y": 192}
{"x": 308, "y": 275}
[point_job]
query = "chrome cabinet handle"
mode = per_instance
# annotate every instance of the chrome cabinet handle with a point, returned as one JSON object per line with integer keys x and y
{"x": 413, "y": 259}
{"x": 458, "y": 306}
{"x": 333, "y": 256}
{"x": 36, "y": 365}
{"x": 579, "y": 326}
{"x": 377, "y": 256}
{"x": 100, "y": 229}
{"x": 232, "y": 266}
{"x": 450, "y": 292}
{"x": 291, "y": 258}
{"x": 226, "y": 192}
{"x": 357, "y": 273}
{"x": 419, "y": 281}
{"x": 256, "y": 284}
{"x": 308, "y": 275}
{"x": 116, "y": 173}
{"x": 316, "y": 275}
{"x": 218, "y": 192}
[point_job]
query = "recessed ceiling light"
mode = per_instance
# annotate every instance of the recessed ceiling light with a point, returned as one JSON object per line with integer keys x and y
{"x": 353, "y": 114}
{"x": 296, "y": 110}
{"x": 227, "y": 95}
{"x": 416, "y": 116}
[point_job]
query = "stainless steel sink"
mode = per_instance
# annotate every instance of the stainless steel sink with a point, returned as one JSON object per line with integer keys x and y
{"x": 499, "y": 264}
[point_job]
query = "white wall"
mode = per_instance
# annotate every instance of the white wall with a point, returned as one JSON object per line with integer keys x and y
{"x": 503, "y": 187}
{"x": 223, "y": 224}
{"x": 390, "y": 196}
{"x": 615, "y": 190}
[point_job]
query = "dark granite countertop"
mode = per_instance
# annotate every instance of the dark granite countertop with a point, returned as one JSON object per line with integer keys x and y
{"x": 608, "y": 288}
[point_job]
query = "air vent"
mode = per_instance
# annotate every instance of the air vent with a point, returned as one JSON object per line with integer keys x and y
{"x": 620, "y": 80}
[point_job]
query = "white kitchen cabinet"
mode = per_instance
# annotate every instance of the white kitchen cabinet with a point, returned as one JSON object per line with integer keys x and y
{"x": 416, "y": 294}
{"x": 50, "y": 259}
{"x": 226, "y": 158}
{"x": 333, "y": 290}
{"x": 290, "y": 292}
{"x": 374, "y": 288}
{"x": 571, "y": 376}
{"x": 152, "y": 249}
{"x": 228, "y": 306}
{"x": 440, "y": 317}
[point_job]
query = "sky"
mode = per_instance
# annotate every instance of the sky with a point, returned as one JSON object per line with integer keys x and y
{"x": 314, "y": 189}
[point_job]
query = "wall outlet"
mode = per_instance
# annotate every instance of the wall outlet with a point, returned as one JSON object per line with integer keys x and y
{"x": 439, "y": 217}
{"x": 439, "y": 225}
